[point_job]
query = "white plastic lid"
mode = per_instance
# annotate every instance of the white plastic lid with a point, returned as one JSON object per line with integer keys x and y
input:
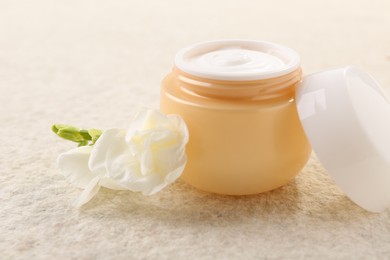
{"x": 346, "y": 116}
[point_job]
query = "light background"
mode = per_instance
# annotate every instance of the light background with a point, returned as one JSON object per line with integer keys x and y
{"x": 91, "y": 63}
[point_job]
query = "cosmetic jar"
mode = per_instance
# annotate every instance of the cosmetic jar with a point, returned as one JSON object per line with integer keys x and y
{"x": 238, "y": 101}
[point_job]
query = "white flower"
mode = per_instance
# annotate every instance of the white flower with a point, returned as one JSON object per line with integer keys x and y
{"x": 145, "y": 158}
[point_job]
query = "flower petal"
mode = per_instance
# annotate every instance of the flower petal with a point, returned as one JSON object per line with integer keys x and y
{"x": 146, "y": 158}
{"x": 102, "y": 155}
{"x": 147, "y": 119}
{"x": 180, "y": 126}
{"x": 170, "y": 178}
{"x": 97, "y": 161}
{"x": 90, "y": 191}
{"x": 144, "y": 184}
{"x": 161, "y": 162}
{"x": 122, "y": 167}
{"x": 109, "y": 183}
{"x": 157, "y": 142}
{"x": 137, "y": 123}
{"x": 74, "y": 166}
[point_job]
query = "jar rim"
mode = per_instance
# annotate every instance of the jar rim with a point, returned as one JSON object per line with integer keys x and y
{"x": 254, "y": 89}
{"x": 237, "y": 60}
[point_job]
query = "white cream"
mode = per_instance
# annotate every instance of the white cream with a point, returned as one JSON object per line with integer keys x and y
{"x": 237, "y": 60}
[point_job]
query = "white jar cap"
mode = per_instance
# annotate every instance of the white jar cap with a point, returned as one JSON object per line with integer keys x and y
{"x": 346, "y": 116}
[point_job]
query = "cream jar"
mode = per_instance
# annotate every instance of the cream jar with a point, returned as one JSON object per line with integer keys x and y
{"x": 251, "y": 117}
{"x": 237, "y": 98}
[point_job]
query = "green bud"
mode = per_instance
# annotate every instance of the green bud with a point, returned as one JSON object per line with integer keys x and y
{"x": 81, "y": 136}
{"x": 95, "y": 134}
{"x": 68, "y": 132}
{"x": 83, "y": 143}
{"x": 85, "y": 134}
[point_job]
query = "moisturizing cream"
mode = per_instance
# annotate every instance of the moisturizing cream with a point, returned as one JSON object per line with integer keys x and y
{"x": 238, "y": 101}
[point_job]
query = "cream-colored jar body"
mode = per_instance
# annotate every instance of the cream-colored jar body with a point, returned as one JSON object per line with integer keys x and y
{"x": 245, "y": 137}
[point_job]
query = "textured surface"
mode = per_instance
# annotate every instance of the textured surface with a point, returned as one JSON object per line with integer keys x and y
{"x": 90, "y": 63}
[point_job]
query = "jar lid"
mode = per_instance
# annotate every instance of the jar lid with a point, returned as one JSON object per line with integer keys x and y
{"x": 346, "y": 117}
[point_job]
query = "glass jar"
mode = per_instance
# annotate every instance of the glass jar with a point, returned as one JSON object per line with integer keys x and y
{"x": 237, "y": 98}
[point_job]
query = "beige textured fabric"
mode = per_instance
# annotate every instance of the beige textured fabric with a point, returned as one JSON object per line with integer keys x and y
{"x": 90, "y": 63}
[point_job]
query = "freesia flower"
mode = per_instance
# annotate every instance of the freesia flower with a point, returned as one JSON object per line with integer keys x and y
{"x": 145, "y": 158}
